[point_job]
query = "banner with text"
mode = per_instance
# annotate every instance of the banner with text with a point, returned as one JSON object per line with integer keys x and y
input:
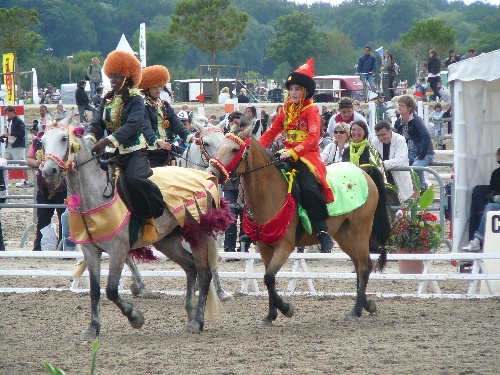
{"x": 8, "y": 79}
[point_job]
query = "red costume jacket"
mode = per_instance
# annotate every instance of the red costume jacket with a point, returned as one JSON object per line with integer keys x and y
{"x": 302, "y": 141}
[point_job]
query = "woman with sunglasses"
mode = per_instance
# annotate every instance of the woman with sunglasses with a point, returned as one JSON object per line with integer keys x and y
{"x": 333, "y": 152}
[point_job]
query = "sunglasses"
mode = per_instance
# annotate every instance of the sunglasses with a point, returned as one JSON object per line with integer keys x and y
{"x": 339, "y": 132}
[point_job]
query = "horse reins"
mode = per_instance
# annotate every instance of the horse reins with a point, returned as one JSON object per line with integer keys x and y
{"x": 205, "y": 156}
{"x": 242, "y": 154}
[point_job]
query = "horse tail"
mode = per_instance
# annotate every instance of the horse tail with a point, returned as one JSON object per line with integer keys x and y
{"x": 381, "y": 229}
{"x": 80, "y": 269}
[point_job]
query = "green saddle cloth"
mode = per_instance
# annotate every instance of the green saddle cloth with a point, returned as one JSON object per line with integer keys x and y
{"x": 349, "y": 187}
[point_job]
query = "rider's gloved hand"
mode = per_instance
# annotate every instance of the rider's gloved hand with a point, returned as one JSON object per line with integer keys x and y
{"x": 496, "y": 199}
{"x": 101, "y": 145}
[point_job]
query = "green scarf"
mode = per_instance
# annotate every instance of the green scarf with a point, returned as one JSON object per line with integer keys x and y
{"x": 355, "y": 155}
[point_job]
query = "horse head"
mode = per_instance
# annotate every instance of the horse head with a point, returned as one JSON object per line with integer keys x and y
{"x": 59, "y": 146}
{"x": 232, "y": 151}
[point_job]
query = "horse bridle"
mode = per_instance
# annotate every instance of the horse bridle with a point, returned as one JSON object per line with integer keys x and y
{"x": 205, "y": 156}
{"x": 228, "y": 171}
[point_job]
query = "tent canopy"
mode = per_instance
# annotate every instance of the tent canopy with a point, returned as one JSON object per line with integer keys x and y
{"x": 476, "y": 126}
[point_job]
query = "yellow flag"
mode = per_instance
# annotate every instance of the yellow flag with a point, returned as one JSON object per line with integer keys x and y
{"x": 8, "y": 79}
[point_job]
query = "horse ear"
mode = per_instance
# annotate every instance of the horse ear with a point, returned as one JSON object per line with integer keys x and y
{"x": 244, "y": 129}
{"x": 68, "y": 119}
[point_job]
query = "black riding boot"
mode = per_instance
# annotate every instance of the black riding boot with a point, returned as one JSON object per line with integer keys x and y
{"x": 324, "y": 238}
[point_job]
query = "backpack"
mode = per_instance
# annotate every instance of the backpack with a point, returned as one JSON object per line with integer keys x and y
{"x": 89, "y": 71}
{"x": 394, "y": 72}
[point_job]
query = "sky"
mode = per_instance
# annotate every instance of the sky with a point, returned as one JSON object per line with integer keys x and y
{"x": 336, "y": 2}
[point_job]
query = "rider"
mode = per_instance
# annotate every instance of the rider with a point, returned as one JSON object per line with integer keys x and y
{"x": 121, "y": 117}
{"x": 301, "y": 122}
{"x": 161, "y": 124}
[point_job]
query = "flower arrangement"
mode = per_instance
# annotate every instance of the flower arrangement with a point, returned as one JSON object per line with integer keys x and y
{"x": 415, "y": 228}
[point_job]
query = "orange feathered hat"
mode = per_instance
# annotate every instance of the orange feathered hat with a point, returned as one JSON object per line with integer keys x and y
{"x": 303, "y": 76}
{"x": 124, "y": 63}
{"x": 154, "y": 75}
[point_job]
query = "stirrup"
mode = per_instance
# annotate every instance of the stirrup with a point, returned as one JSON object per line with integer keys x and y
{"x": 149, "y": 231}
{"x": 325, "y": 241}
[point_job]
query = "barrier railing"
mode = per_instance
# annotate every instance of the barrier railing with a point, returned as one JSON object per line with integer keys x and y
{"x": 21, "y": 165}
{"x": 300, "y": 270}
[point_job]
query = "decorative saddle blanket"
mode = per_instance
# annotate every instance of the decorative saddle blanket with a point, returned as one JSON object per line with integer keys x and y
{"x": 185, "y": 191}
{"x": 349, "y": 187}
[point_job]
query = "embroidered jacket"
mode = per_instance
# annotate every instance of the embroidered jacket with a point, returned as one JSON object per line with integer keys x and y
{"x": 122, "y": 121}
{"x": 302, "y": 138}
{"x": 161, "y": 123}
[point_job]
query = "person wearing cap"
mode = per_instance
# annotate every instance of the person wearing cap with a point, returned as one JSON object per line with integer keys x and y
{"x": 161, "y": 125}
{"x": 121, "y": 116}
{"x": 346, "y": 114}
{"x": 82, "y": 100}
{"x": 300, "y": 120}
{"x": 380, "y": 107}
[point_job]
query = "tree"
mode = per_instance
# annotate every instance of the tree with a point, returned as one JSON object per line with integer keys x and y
{"x": 211, "y": 25}
{"x": 429, "y": 34}
{"x": 296, "y": 40}
{"x": 16, "y": 33}
{"x": 163, "y": 48}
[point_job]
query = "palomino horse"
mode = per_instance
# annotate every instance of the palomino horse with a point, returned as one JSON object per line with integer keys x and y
{"x": 69, "y": 156}
{"x": 267, "y": 201}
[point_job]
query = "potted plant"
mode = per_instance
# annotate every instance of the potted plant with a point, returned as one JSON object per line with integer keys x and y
{"x": 415, "y": 230}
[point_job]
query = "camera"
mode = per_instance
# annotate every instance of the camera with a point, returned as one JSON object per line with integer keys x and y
{"x": 2, "y": 139}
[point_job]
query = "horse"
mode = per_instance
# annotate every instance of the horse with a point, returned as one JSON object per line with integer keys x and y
{"x": 268, "y": 202}
{"x": 197, "y": 156}
{"x": 66, "y": 155}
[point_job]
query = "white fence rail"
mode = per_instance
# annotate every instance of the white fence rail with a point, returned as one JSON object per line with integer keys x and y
{"x": 300, "y": 270}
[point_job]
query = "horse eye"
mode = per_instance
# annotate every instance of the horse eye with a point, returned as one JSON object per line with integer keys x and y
{"x": 64, "y": 138}
{"x": 235, "y": 150}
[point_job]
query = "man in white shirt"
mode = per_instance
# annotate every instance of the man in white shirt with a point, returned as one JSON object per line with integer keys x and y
{"x": 394, "y": 151}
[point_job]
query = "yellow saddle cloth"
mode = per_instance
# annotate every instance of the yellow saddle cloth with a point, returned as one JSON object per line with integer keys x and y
{"x": 185, "y": 191}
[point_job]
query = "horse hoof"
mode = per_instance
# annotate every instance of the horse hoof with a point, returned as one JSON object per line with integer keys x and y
{"x": 193, "y": 327}
{"x": 226, "y": 297}
{"x": 265, "y": 323}
{"x": 290, "y": 311}
{"x": 88, "y": 334}
{"x": 351, "y": 316}
{"x": 372, "y": 307}
{"x": 137, "y": 319}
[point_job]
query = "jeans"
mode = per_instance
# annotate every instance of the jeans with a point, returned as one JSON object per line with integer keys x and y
{"x": 93, "y": 86}
{"x": 371, "y": 80}
{"x": 82, "y": 109}
{"x": 420, "y": 163}
{"x": 477, "y": 205}
{"x": 482, "y": 225}
{"x": 433, "y": 83}
{"x": 44, "y": 215}
{"x": 65, "y": 243}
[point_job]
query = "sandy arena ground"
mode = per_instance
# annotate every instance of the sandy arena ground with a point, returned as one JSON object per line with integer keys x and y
{"x": 408, "y": 335}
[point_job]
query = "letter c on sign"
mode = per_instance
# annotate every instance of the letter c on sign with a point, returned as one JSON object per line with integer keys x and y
{"x": 495, "y": 223}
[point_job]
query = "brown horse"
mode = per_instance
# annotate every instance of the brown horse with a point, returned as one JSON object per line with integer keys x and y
{"x": 266, "y": 191}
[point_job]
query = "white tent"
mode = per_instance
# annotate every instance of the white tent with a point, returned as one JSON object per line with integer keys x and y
{"x": 476, "y": 126}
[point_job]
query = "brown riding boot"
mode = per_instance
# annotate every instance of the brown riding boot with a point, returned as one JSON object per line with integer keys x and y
{"x": 149, "y": 231}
